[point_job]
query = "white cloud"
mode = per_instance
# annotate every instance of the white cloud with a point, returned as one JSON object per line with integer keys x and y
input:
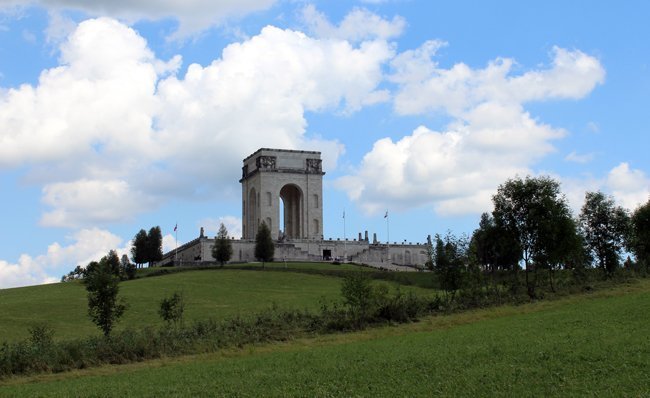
{"x": 87, "y": 245}
{"x": 580, "y": 158}
{"x": 358, "y": 25}
{"x": 630, "y": 187}
{"x": 233, "y": 225}
{"x": 192, "y": 16}
{"x": 113, "y": 131}
{"x": 573, "y": 74}
{"x": 92, "y": 201}
{"x": 491, "y": 137}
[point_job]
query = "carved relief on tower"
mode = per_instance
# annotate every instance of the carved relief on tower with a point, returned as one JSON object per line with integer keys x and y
{"x": 265, "y": 162}
{"x": 314, "y": 165}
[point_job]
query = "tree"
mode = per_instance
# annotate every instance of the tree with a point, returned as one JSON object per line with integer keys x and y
{"x": 493, "y": 247}
{"x": 357, "y": 293}
{"x": 139, "y": 248}
{"x": 154, "y": 245}
{"x": 127, "y": 268}
{"x": 450, "y": 259}
{"x": 264, "y": 247}
{"x": 605, "y": 227}
{"x": 530, "y": 210}
{"x": 640, "y": 236}
{"x": 172, "y": 308}
{"x": 102, "y": 286}
{"x": 114, "y": 264}
{"x": 222, "y": 249}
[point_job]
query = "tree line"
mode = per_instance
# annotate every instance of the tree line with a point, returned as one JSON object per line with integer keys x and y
{"x": 531, "y": 230}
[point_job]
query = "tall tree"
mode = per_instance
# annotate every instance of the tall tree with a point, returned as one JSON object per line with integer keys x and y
{"x": 154, "y": 245}
{"x": 493, "y": 247}
{"x": 605, "y": 227}
{"x": 139, "y": 248}
{"x": 450, "y": 259}
{"x": 222, "y": 249}
{"x": 264, "y": 247}
{"x": 529, "y": 209}
{"x": 640, "y": 237}
{"x": 102, "y": 286}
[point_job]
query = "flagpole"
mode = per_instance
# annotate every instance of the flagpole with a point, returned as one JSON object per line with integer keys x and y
{"x": 176, "y": 250}
{"x": 345, "y": 241}
{"x": 387, "y": 238}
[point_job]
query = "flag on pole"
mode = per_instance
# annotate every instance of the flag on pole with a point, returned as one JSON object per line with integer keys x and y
{"x": 175, "y": 227}
{"x": 343, "y": 213}
{"x": 386, "y": 215}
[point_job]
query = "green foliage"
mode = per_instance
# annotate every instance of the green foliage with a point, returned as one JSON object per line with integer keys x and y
{"x": 264, "y": 247}
{"x": 494, "y": 247}
{"x": 222, "y": 249}
{"x": 154, "y": 245}
{"x": 104, "y": 309}
{"x": 450, "y": 260}
{"x": 139, "y": 247}
{"x": 172, "y": 308}
{"x": 357, "y": 293}
{"x": 640, "y": 236}
{"x": 606, "y": 228}
{"x": 537, "y": 215}
{"x": 128, "y": 270}
{"x": 147, "y": 247}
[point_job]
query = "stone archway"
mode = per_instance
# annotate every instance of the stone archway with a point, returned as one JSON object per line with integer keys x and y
{"x": 292, "y": 198}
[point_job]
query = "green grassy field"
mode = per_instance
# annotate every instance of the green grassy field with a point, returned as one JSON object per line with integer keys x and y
{"x": 587, "y": 345}
{"x": 210, "y": 293}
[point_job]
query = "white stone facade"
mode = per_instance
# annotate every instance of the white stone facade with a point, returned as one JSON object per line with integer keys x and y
{"x": 274, "y": 176}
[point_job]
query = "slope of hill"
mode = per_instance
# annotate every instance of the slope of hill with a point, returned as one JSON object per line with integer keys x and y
{"x": 212, "y": 293}
{"x": 586, "y": 345}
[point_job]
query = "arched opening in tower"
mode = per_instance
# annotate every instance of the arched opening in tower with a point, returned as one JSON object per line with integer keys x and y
{"x": 252, "y": 214}
{"x": 291, "y": 197}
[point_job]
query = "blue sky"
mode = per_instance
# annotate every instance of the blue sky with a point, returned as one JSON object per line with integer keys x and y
{"x": 116, "y": 116}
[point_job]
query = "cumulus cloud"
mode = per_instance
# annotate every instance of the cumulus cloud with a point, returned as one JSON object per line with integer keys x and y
{"x": 358, "y": 25}
{"x": 630, "y": 187}
{"x": 113, "y": 130}
{"x": 192, "y": 16}
{"x": 87, "y": 245}
{"x": 491, "y": 136}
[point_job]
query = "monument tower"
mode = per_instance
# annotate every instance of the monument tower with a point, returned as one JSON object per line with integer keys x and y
{"x": 272, "y": 178}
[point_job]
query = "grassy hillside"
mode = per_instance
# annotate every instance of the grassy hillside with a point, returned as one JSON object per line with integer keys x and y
{"x": 588, "y": 345}
{"x": 212, "y": 293}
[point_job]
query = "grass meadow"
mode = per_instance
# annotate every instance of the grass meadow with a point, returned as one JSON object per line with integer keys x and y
{"x": 209, "y": 293}
{"x": 584, "y": 345}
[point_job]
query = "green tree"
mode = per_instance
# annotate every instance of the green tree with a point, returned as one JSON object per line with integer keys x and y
{"x": 154, "y": 245}
{"x": 222, "y": 249}
{"x": 102, "y": 286}
{"x": 450, "y": 259}
{"x": 139, "y": 248}
{"x": 530, "y": 209}
{"x": 605, "y": 227}
{"x": 640, "y": 235}
{"x": 172, "y": 309}
{"x": 264, "y": 247}
{"x": 357, "y": 293}
{"x": 127, "y": 268}
{"x": 493, "y": 247}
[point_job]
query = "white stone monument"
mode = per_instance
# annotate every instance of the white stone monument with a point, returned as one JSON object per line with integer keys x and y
{"x": 280, "y": 177}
